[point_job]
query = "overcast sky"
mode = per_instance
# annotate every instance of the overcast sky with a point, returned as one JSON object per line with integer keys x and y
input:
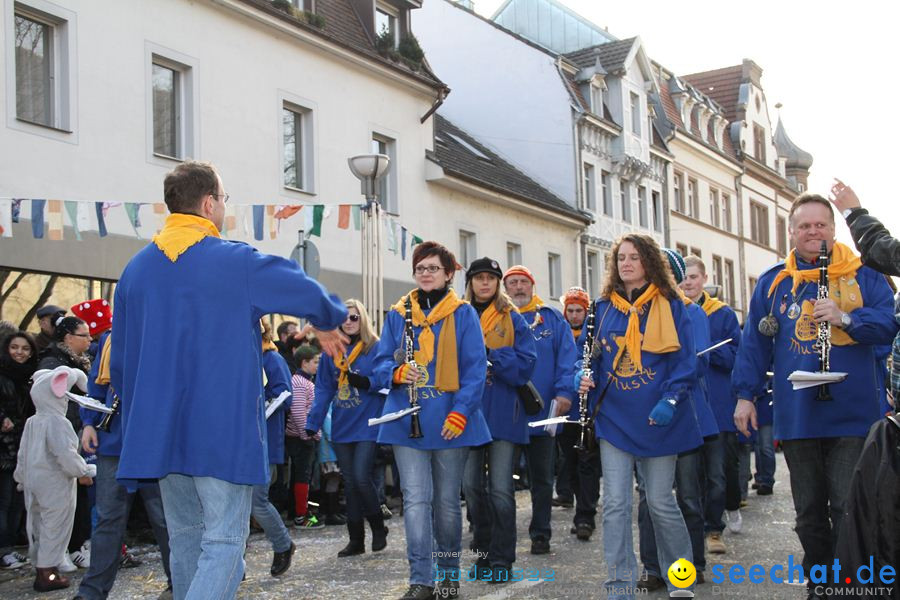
{"x": 824, "y": 61}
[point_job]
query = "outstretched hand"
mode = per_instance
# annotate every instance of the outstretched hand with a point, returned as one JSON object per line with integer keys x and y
{"x": 842, "y": 196}
{"x": 333, "y": 341}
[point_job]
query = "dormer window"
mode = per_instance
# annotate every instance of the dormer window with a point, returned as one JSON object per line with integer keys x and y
{"x": 598, "y": 95}
{"x": 386, "y": 22}
{"x": 635, "y": 114}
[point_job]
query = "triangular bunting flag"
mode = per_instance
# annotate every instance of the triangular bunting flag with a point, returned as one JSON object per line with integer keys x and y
{"x": 259, "y": 212}
{"x": 132, "y": 209}
{"x": 54, "y": 220}
{"x": 356, "y": 217}
{"x": 288, "y": 210}
{"x": 270, "y": 221}
{"x": 101, "y": 218}
{"x": 37, "y": 218}
{"x": 72, "y": 211}
{"x": 403, "y": 243}
{"x": 318, "y": 214}
{"x": 344, "y": 216}
{"x": 160, "y": 210}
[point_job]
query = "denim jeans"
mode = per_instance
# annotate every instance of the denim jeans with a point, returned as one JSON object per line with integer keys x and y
{"x": 689, "y": 484}
{"x": 356, "y": 461}
{"x": 585, "y": 466}
{"x": 765, "y": 456}
{"x": 658, "y": 475}
{"x": 12, "y": 507}
{"x": 714, "y": 484}
{"x": 113, "y": 507}
{"x": 431, "y": 481}
{"x": 732, "y": 448}
{"x": 490, "y": 499}
{"x": 209, "y": 520}
{"x": 540, "y": 454}
{"x": 820, "y": 470}
{"x": 268, "y": 517}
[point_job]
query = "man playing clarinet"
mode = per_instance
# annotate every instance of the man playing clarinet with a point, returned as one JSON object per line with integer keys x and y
{"x": 822, "y": 434}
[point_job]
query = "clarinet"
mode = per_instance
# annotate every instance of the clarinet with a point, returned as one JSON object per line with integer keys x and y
{"x": 415, "y": 429}
{"x": 823, "y": 340}
{"x": 104, "y": 424}
{"x": 583, "y": 420}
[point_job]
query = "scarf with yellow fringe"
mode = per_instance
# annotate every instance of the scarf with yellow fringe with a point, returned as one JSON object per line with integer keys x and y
{"x": 710, "y": 304}
{"x": 842, "y": 284}
{"x": 103, "y": 369}
{"x": 660, "y": 335}
{"x": 497, "y": 327}
{"x": 343, "y": 363}
{"x": 181, "y": 232}
{"x": 447, "y": 368}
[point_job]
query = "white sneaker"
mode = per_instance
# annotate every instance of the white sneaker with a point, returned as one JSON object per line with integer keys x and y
{"x": 67, "y": 566}
{"x": 12, "y": 561}
{"x": 82, "y": 556}
{"x": 735, "y": 520}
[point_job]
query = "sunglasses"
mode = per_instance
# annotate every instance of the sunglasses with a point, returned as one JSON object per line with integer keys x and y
{"x": 353, "y": 318}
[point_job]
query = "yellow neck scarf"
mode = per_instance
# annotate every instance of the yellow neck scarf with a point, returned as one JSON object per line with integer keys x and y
{"x": 533, "y": 304}
{"x": 447, "y": 368}
{"x": 576, "y": 333}
{"x": 710, "y": 304}
{"x": 181, "y": 232}
{"x": 497, "y": 327}
{"x": 660, "y": 335}
{"x": 269, "y": 347}
{"x": 103, "y": 369}
{"x": 843, "y": 287}
{"x": 343, "y": 363}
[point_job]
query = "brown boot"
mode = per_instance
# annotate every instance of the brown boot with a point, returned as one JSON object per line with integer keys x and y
{"x": 48, "y": 580}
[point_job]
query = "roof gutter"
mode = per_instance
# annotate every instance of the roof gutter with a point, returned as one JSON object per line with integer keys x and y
{"x": 441, "y": 95}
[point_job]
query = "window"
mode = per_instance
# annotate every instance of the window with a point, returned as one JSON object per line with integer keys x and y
{"x": 40, "y": 66}
{"x": 657, "y": 211}
{"x": 682, "y": 249}
{"x": 555, "y": 268}
{"x": 726, "y": 212}
{"x": 759, "y": 223}
{"x": 728, "y": 286}
{"x": 717, "y": 270}
{"x": 513, "y": 254}
{"x": 625, "y": 201}
{"x": 590, "y": 201}
{"x": 714, "y": 208}
{"x": 635, "y": 114}
{"x": 781, "y": 235}
{"x": 642, "y": 207}
{"x": 387, "y": 185}
{"x": 678, "y": 192}
{"x": 607, "y": 194}
{"x": 467, "y": 248}
{"x": 294, "y": 151}
{"x": 759, "y": 143}
{"x": 597, "y": 99}
{"x": 386, "y": 23}
{"x": 172, "y": 115}
{"x": 592, "y": 264}
{"x": 693, "y": 201}
{"x": 696, "y": 252}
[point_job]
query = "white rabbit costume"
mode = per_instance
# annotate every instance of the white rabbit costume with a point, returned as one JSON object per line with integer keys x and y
{"x": 49, "y": 465}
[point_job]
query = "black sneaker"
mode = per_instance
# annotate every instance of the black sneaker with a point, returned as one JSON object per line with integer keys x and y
{"x": 583, "y": 531}
{"x": 764, "y": 490}
{"x": 563, "y": 502}
{"x": 418, "y": 591}
{"x": 480, "y": 569}
{"x": 540, "y": 546}
{"x": 281, "y": 562}
{"x": 651, "y": 583}
{"x": 446, "y": 589}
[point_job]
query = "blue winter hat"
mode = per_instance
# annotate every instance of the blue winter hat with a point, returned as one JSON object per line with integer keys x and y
{"x": 676, "y": 262}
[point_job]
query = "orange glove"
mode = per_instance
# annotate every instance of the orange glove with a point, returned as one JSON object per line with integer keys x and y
{"x": 400, "y": 373}
{"x": 455, "y": 422}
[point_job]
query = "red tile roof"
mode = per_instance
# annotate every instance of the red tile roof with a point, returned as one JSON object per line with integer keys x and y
{"x": 722, "y": 85}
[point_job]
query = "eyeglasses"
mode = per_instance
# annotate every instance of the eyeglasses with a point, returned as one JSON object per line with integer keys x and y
{"x": 421, "y": 269}
{"x": 225, "y": 197}
{"x": 84, "y": 335}
{"x": 353, "y": 318}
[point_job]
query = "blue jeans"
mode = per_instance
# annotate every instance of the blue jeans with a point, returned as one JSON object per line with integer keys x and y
{"x": 689, "y": 480}
{"x": 12, "y": 506}
{"x": 491, "y": 501}
{"x": 209, "y": 520}
{"x": 431, "y": 481}
{"x": 113, "y": 503}
{"x": 540, "y": 453}
{"x": 356, "y": 461}
{"x": 658, "y": 475}
{"x": 714, "y": 493}
{"x": 821, "y": 470}
{"x": 268, "y": 517}
{"x": 765, "y": 456}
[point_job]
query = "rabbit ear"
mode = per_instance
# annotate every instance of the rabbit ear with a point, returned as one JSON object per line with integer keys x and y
{"x": 59, "y": 382}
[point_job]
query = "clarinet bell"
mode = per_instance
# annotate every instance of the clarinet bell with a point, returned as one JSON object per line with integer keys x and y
{"x": 415, "y": 428}
{"x": 824, "y": 394}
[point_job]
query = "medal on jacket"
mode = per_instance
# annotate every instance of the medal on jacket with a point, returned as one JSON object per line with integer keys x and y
{"x": 344, "y": 392}
{"x": 793, "y": 311}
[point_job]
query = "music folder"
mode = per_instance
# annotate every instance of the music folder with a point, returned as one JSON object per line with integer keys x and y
{"x": 272, "y": 406}
{"x": 88, "y": 402}
{"x": 807, "y": 379}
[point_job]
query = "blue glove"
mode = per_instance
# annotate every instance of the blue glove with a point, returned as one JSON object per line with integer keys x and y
{"x": 663, "y": 412}
{"x": 578, "y": 375}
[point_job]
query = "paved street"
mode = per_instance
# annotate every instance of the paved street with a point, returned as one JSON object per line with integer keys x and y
{"x": 577, "y": 566}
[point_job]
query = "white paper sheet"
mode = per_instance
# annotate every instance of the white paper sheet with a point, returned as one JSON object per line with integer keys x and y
{"x": 807, "y": 379}
{"x": 394, "y": 416}
{"x": 272, "y": 406}
{"x": 88, "y": 402}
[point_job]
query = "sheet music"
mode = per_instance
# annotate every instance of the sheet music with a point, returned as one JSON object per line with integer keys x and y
{"x": 88, "y": 402}
{"x": 807, "y": 379}
{"x": 394, "y": 416}
{"x": 272, "y": 406}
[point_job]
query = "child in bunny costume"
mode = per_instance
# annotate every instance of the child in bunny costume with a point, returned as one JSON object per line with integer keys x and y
{"x": 47, "y": 469}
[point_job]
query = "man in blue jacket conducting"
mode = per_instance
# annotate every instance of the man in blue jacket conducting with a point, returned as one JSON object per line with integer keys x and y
{"x": 186, "y": 361}
{"x": 822, "y": 438}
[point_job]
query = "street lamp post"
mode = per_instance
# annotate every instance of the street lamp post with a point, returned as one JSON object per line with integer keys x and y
{"x": 369, "y": 168}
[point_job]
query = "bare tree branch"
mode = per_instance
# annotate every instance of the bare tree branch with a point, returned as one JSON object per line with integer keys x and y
{"x": 45, "y": 295}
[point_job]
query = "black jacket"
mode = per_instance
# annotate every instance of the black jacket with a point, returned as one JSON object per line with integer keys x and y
{"x": 53, "y": 357}
{"x": 15, "y": 405}
{"x": 871, "y": 525}
{"x": 879, "y": 249}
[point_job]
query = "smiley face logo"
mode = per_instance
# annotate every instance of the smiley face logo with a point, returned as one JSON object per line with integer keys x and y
{"x": 682, "y": 573}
